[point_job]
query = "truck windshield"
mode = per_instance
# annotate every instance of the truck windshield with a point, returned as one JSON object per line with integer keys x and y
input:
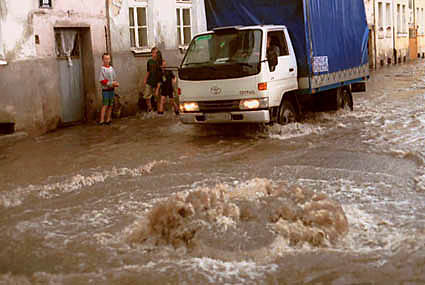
{"x": 221, "y": 55}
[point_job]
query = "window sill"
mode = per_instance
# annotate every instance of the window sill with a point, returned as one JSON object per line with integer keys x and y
{"x": 402, "y": 35}
{"x": 3, "y": 62}
{"x": 141, "y": 52}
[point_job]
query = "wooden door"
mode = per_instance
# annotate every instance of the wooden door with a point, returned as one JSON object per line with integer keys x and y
{"x": 413, "y": 43}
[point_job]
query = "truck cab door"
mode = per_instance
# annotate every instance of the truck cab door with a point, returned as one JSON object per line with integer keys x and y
{"x": 283, "y": 77}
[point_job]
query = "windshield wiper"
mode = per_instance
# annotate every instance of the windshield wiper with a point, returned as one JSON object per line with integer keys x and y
{"x": 240, "y": 63}
{"x": 196, "y": 63}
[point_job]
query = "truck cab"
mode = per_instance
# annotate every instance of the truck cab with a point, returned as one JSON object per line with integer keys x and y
{"x": 238, "y": 74}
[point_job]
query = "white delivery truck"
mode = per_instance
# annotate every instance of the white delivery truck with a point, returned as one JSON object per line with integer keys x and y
{"x": 241, "y": 71}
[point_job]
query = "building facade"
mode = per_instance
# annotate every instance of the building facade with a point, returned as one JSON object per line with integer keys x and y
{"x": 397, "y": 30}
{"x": 49, "y": 51}
{"x": 50, "y": 54}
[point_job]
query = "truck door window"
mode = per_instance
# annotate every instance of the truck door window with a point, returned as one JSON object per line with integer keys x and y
{"x": 278, "y": 39}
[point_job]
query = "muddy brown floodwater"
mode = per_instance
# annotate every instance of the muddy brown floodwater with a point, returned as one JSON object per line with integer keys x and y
{"x": 338, "y": 198}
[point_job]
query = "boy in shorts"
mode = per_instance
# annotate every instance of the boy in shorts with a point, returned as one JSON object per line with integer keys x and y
{"x": 108, "y": 82}
{"x": 167, "y": 89}
{"x": 152, "y": 79}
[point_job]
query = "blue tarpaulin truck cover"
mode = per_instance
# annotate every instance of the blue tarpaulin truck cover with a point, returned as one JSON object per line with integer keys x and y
{"x": 329, "y": 36}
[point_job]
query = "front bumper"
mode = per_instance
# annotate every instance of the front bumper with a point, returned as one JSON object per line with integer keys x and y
{"x": 261, "y": 116}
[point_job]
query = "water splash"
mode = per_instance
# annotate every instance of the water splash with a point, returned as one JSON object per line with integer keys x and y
{"x": 242, "y": 221}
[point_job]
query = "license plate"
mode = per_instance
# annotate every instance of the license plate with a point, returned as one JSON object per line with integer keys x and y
{"x": 218, "y": 116}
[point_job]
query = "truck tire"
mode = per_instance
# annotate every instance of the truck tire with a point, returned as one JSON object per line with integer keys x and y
{"x": 287, "y": 113}
{"x": 344, "y": 98}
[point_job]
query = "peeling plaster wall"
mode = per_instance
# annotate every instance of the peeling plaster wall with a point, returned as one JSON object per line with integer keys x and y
{"x": 370, "y": 16}
{"x": 384, "y": 41}
{"x": 29, "y": 83}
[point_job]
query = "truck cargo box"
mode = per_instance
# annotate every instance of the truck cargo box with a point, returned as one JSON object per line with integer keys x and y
{"x": 330, "y": 37}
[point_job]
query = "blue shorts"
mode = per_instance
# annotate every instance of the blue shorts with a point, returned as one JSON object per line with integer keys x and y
{"x": 108, "y": 97}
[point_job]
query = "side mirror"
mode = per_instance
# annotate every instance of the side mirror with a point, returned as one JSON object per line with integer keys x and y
{"x": 272, "y": 59}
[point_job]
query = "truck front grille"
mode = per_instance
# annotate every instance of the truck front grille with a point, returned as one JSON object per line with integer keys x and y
{"x": 218, "y": 106}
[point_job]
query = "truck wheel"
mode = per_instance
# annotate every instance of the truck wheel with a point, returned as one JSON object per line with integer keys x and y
{"x": 344, "y": 98}
{"x": 287, "y": 113}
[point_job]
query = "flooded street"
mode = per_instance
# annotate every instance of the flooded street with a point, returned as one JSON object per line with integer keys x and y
{"x": 338, "y": 198}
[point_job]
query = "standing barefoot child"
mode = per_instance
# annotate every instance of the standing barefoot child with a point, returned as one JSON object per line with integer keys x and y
{"x": 167, "y": 89}
{"x": 108, "y": 81}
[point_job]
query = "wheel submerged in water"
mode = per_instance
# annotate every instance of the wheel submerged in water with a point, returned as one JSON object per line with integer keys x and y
{"x": 344, "y": 99}
{"x": 287, "y": 113}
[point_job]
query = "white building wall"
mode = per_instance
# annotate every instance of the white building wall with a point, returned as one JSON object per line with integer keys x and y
{"x": 22, "y": 20}
{"x": 161, "y": 22}
{"x": 29, "y": 73}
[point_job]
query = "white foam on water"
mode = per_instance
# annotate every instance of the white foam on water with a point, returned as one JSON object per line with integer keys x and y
{"x": 420, "y": 181}
{"x": 381, "y": 215}
{"x": 16, "y": 197}
{"x": 214, "y": 271}
{"x": 295, "y": 130}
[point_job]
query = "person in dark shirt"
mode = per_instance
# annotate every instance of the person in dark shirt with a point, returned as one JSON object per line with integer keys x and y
{"x": 167, "y": 89}
{"x": 152, "y": 79}
{"x": 273, "y": 51}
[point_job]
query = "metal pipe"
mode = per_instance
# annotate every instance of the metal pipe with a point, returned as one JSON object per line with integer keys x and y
{"x": 108, "y": 29}
{"x": 394, "y": 43}
{"x": 375, "y": 34}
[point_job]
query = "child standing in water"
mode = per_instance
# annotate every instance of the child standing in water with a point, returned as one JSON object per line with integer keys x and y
{"x": 153, "y": 78}
{"x": 108, "y": 81}
{"x": 167, "y": 90}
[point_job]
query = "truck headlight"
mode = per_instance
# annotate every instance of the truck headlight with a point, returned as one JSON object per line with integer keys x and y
{"x": 251, "y": 104}
{"x": 189, "y": 107}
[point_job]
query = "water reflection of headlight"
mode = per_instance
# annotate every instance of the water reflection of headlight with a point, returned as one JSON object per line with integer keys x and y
{"x": 250, "y": 104}
{"x": 189, "y": 107}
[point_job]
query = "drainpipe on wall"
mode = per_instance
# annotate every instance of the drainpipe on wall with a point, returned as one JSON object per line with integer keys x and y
{"x": 375, "y": 34}
{"x": 394, "y": 25}
{"x": 108, "y": 30}
{"x": 414, "y": 14}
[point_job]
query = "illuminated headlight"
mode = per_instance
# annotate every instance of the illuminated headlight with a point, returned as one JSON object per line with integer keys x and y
{"x": 189, "y": 107}
{"x": 250, "y": 104}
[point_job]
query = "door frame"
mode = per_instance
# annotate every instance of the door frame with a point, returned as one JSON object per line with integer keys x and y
{"x": 87, "y": 67}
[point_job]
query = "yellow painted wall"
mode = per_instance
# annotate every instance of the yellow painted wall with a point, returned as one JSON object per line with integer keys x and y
{"x": 401, "y": 28}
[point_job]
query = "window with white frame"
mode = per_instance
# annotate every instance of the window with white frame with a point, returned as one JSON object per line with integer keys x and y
{"x": 388, "y": 15}
{"x": 399, "y": 18}
{"x": 138, "y": 24}
{"x": 1, "y": 42}
{"x": 380, "y": 15}
{"x": 184, "y": 21}
{"x": 421, "y": 28}
{"x": 417, "y": 17}
{"x": 404, "y": 19}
